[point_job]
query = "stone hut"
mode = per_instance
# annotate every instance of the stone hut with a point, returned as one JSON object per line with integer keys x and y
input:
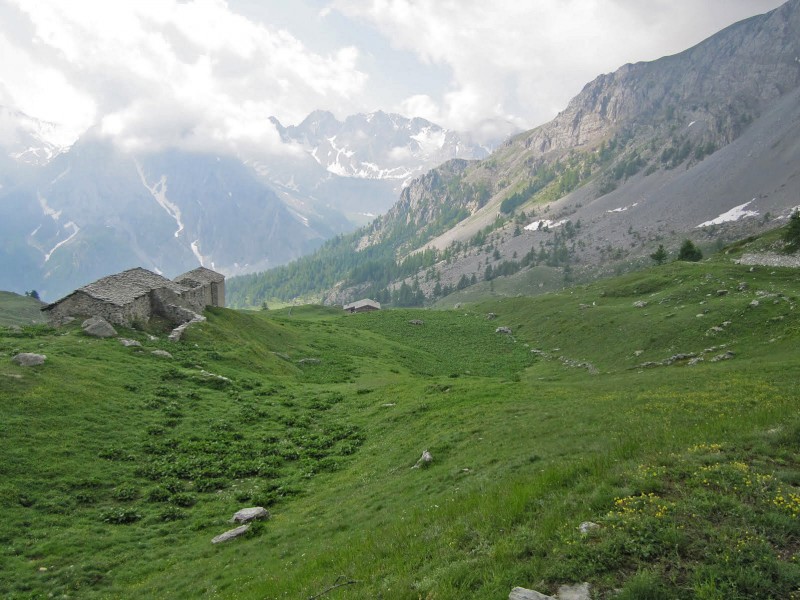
{"x": 138, "y": 294}
{"x": 364, "y": 305}
{"x": 208, "y": 285}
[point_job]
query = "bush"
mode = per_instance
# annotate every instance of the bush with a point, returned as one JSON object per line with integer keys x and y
{"x": 120, "y": 516}
{"x": 792, "y": 234}
{"x": 689, "y": 252}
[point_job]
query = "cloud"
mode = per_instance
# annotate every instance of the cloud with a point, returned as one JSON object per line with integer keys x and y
{"x": 171, "y": 73}
{"x": 521, "y": 62}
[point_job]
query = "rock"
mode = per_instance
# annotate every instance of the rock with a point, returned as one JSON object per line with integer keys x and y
{"x": 416, "y": 322}
{"x": 519, "y": 593}
{"x": 726, "y": 356}
{"x": 98, "y": 327}
{"x": 505, "y": 330}
{"x": 715, "y": 329}
{"x": 640, "y": 304}
{"x": 587, "y": 527}
{"x": 424, "y": 460}
{"x": 579, "y": 591}
{"x": 245, "y": 515}
{"x": 696, "y": 360}
{"x": 205, "y": 373}
{"x": 754, "y": 304}
{"x": 15, "y": 329}
{"x": 161, "y": 353}
{"x": 309, "y": 361}
{"x": 722, "y": 292}
{"x": 127, "y": 343}
{"x": 742, "y": 286}
{"x": 490, "y": 316}
{"x": 230, "y": 534}
{"x": 29, "y": 359}
{"x": 638, "y": 352}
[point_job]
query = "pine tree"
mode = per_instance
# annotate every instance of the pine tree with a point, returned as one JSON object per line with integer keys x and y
{"x": 660, "y": 255}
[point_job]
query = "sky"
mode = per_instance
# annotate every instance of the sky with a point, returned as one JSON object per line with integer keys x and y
{"x": 207, "y": 74}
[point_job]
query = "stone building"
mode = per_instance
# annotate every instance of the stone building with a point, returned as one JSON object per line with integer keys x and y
{"x": 364, "y": 305}
{"x": 137, "y": 294}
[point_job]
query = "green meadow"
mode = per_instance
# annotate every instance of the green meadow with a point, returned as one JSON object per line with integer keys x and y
{"x": 119, "y": 466}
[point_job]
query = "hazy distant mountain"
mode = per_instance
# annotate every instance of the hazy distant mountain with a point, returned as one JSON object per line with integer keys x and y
{"x": 94, "y": 210}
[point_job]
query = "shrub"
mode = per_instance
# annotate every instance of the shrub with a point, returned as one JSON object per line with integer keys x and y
{"x": 689, "y": 252}
{"x": 120, "y": 516}
{"x": 792, "y": 234}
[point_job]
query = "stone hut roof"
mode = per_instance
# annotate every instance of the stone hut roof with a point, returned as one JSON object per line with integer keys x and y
{"x": 123, "y": 288}
{"x": 365, "y": 303}
{"x": 201, "y": 275}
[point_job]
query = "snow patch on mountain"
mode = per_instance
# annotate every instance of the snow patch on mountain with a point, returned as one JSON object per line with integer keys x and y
{"x": 734, "y": 214}
{"x": 50, "y": 212}
{"x": 75, "y": 230}
{"x": 159, "y": 193}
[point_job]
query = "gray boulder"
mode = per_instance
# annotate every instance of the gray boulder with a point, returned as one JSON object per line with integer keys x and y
{"x": 128, "y": 343}
{"x": 519, "y": 593}
{"x": 246, "y": 515}
{"x": 98, "y": 327}
{"x": 416, "y": 322}
{"x": 161, "y": 353}
{"x": 230, "y": 534}
{"x": 505, "y": 330}
{"x": 29, "y": 359}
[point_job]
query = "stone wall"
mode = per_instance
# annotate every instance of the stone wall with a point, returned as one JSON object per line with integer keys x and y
{"x": 218, "y": 294}
{"x": 80, "y": 304}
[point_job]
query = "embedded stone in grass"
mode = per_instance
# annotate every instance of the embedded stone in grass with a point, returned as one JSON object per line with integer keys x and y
{"x": 519, "y": 593}
{"x": 230, "y": 534}
{"x": 161, "y": 353}
{"x": 587, "y": 527}
{"x": 505, "y": 330}
{"x": 246, "y": 515}
{"x": 424, "y": 460}
{"x": 98, "y": 327}
{"x": 490, "y": 316}
{"x": 29, "y": 359}
{"x": 127, "y": 343}
{"x": 640, "y": 304}
{"x": 579, "y": 591}
{"x": 416, "y": 322}
{"x": 309, "y": 361}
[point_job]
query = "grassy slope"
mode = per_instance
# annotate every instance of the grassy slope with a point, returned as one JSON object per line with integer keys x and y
{"x": 525, "y": 448}
{"x": 19, "y": 310}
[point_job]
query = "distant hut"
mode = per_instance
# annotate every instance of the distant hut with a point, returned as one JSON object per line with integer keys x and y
{"x": 365, "y": 305}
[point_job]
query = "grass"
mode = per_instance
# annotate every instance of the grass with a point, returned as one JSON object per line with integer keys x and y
{"x": 118, "y": 466}
{"x": 19, "y": 310}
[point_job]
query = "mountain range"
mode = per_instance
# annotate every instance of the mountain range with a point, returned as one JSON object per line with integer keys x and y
{"x": 700, "y": 145}
{"x": 71, "y": 215}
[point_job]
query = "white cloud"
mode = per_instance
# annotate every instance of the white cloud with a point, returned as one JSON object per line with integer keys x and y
{"x": 153, "y": 74}
{"x": 523, "y": 61}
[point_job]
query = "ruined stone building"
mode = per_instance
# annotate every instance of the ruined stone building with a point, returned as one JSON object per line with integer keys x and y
{"x": 137, "y": 295}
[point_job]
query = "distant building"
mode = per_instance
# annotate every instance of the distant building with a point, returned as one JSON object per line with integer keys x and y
{"x": 365, "y": 305}
{"x": 136, "y": 295}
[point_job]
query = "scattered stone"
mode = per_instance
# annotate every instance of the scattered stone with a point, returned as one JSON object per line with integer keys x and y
{"x": 714, "y": 330}
{"x": 587, "y": 527}
{"x": 29, "y": 359}
{"x": 490, "y": 316}
{"x": 722, "y": 292}
{"x": 754, "y": 304}
{"x": 695, "y": 360}
{"x": 640, "y": 304}
{"x": 424, "y": 460}
{"x": 457, "y": 305}
{"x": 742, "y": 286}
{"x": 161, "y": 353}
{"x": 309, "y": 361}
{"x": 699, "y": 315}
{"x": 726, "y": 356}
{"x": 638, "y": 352}
{"x": 98, "y": 327}
{"x": 246, "y": 515}
{"x": 127, "y": 343}
{"x": 176, "y": 334}
{"x": 213, "y": 375}
{"x": 230, "y": 534}
{"x": 505, "y": 330}
{"x": 579, "y": 591}
{"x": 726, "y": 323}
{"x": 389, "y": 404}
{"x": 416, "y": 322}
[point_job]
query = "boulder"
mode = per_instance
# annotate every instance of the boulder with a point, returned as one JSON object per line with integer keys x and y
{"x": 587, "y": 527}
{"x": 98, "y": 327}
{"x": 490, "y": 316}
{"x": 128, "y": 343}
{"x": 161, "y": 353}
{"x": 640, "y": 304}
{"x": 245, "y": 515}
{"x": 230, "y": 534}
{"x": 29, "y": 359}
{"x": 579, "y": 591}
{"x": 722, "y": 292}
{"x": 505, "y": 330}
